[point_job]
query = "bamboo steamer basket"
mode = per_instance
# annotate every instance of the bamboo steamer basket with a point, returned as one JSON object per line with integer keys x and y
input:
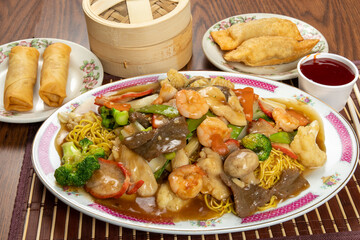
{"x": 136, "y": 37}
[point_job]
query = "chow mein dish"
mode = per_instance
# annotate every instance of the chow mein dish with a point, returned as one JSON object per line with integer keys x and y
{"x": 189, "y": 149}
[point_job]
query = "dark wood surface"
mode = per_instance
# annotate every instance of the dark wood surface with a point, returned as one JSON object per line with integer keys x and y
{"x": 337, "y": 20}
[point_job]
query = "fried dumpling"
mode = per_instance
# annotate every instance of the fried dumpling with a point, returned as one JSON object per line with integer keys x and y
{"x": 265, "y": 27}
{"x": 232, "y": 37}
{"x": 224, "y": 39}
{"x": 270, "y": 50}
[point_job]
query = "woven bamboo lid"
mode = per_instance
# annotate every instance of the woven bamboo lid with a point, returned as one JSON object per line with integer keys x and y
{"x": 136, "y": 23}
{"x": 120, "y": 13}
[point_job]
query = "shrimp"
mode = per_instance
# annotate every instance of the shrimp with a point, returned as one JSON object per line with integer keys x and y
{"x": 284, "y": 120}
{"x": 191, "y": 104}
{"x": 209, "y": 127}
{"x": 167, "y": 92}
{"x": 186, "y": 181}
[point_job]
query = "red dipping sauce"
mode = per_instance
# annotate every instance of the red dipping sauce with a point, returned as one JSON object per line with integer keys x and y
{"x": 327, "y": 71}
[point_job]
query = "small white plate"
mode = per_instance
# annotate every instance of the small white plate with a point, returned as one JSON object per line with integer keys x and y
{"x": 274, "y": 72}
{"x": 341, "y": 149}
{"x": 85, "y": 73}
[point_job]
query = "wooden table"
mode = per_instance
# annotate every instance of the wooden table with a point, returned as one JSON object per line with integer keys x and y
{"x": 337, "y": 20}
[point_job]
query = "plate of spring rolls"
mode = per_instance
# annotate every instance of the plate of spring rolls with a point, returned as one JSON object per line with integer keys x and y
{"x": 39, "y": 75}
{"x": 261, "y": 44}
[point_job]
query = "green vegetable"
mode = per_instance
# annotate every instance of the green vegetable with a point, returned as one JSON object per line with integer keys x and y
{"x": 97, "y": 152}
{"x": 71, "y": 154}
{"x": 260, "y": 114}
{"x": 160, "y": 171}
{"x": 169, "y": 157}
{"x": 77, "y": 174}
{"x": 258, "y": 143}
{"x": 236, "y": 130}
{"x": 85, "y": 143}
{"x": 78, "y": 164}
{"x": 121, "y": 117}
{"x": 112, "y": 118}
{"x": 165, "y": 110}
{"x": 280, "y": 137}
{"x": 194, "y": 123}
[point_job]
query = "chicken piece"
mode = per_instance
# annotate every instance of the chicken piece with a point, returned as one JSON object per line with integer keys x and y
{"x": 218, "y": 105}
{"x": 220, "y": 81}
{"x": 180, "y": 159}
{"x": 177, "y": 79}
{"x": 167, "y": 199}
{"x": 305, "y": 146}
{"x": 139, "y": 169}
{"x": 211, "y": 163}
{"x": 199, "y": 82}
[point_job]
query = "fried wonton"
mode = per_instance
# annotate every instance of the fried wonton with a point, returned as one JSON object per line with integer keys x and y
{"x": 224, "y": 39}
{"x": 270, "y": 50}
{"x": 232, "y": 37}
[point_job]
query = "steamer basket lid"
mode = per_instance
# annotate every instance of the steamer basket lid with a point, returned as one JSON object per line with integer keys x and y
{"x": 132, "y": 11}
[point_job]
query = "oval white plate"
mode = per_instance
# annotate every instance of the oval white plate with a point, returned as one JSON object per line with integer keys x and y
{"x": 275, "y": 72}
{"x": 340, "y": 140}
{"x": 85, "y": 73}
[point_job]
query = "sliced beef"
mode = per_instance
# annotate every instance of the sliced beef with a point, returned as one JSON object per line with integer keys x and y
{"x": 138, "y": 139}
{"x": 247, "y": 199}
{"x": 291, "y": 182}
{"x": 165, "y": 139}
{"x": 142, "y": 118}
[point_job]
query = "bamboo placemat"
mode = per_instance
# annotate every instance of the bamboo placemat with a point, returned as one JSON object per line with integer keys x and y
{"x": 38, "y": 214}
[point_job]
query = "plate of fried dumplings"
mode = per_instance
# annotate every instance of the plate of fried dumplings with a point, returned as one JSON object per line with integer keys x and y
{"x": 261, "y": 44}
{"x": 39, "y": 75}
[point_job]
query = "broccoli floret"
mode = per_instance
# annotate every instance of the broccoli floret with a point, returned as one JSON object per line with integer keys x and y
{"x": 85, "y": 143}
{"x": 77, "y": 174}
{"x": 258, "y": 143}
{"x": 71, "y": 154}
{"x": 97, "y": 152}
{"x": 78, "y": 164}
{"x": 108, "y": 120}
{"x": 112, "y": 118}
{"x": 121, "y": 117}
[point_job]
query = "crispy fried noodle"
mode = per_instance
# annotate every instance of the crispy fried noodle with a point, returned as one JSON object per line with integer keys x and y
{"x": 270, "y": 170}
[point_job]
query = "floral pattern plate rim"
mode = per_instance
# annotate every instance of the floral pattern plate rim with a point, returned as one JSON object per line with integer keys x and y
{"x": 340, "y": 140}
{"x": 85, "y": 73}
{"x": 275, "y": 72}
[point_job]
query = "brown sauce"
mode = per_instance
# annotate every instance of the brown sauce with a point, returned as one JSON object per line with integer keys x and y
{"x": 145, "y": 208}
{"x": 60, "y": 138}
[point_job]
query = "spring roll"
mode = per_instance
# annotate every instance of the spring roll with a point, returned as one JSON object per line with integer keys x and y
{"x": 54, "y": 74}
{"x": 21, "y": 78}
